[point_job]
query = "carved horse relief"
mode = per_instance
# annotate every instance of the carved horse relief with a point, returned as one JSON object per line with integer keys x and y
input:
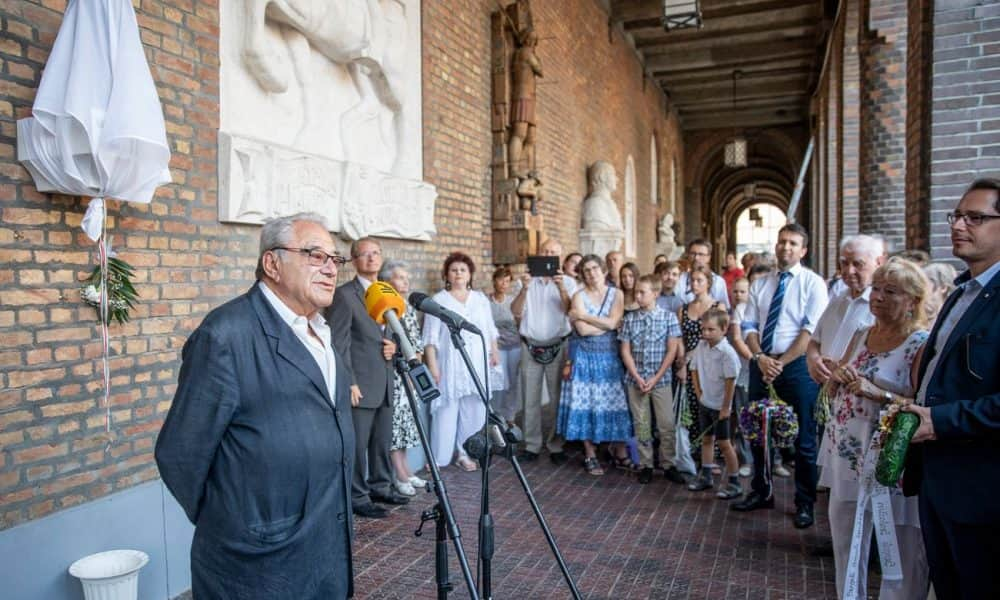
{"x": 368, "y": 39}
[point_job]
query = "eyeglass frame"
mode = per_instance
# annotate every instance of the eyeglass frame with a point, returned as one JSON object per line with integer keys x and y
{"x": 970, "y": 219}
{"x": 337, "y": 259}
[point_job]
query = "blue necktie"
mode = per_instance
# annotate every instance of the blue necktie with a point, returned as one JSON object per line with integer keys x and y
{"x": 767, "y": 340}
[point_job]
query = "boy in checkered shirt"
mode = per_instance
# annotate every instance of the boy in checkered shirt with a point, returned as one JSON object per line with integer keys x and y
{"x": 650, "y": 340}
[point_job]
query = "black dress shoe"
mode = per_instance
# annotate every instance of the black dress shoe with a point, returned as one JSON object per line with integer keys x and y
{"x": 803, "y": 516}
{"x": 646, "y": 475}
{"x": 370, "y": 511}
{"x": 753, "y": 501}
{"x": 558, "y": 458}
{"x": 391, "y": 498}
{"x": 527, "y": 456}
{"x": 674, "y": 476}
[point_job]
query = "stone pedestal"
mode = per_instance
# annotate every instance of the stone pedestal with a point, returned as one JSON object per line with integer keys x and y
{"x": 600, "y": 242}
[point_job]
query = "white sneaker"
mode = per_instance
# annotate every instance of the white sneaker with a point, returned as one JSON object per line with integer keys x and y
{"x": 745, "y": 471}
{"x": 782, "y": 471}
{"x": 404, "y": 488}
{"x": 417, "y": 482}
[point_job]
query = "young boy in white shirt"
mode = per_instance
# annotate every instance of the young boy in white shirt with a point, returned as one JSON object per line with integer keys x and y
{"x": 715, "y": 366}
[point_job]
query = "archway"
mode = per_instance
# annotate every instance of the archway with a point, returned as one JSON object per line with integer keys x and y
{"x": 756, "y": 228}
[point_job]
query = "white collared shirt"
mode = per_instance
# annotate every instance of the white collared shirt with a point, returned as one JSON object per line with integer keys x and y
{"x": 804, "y": 303}
{"x": 719, "y": 291}
{"x": 321, "y": 351}
{"x": 970, "y": 291}
{"x": 842, "y": 318}
{"x": 714, "y": 364}
{"x": 364, "y": 283}
{"x": 543, "y": 319}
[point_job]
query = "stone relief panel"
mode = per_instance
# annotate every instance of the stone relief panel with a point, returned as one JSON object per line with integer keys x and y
{"x": 308, "y": 85}
{"x": 259, "y": 180}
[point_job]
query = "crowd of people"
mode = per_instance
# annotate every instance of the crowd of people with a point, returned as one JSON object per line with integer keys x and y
{"x": 643, "y": 370}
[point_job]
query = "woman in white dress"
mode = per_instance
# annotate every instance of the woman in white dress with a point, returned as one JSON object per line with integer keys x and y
{"x": 460, "y": 411}
{"x": 878, "y": 369}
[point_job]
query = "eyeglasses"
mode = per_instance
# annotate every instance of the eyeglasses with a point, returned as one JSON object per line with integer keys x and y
{"x": 971, "y": 219}
{"x": 316, "y": 257}
{"x": 698, "y": 253}
{"x": 368, "y": 254}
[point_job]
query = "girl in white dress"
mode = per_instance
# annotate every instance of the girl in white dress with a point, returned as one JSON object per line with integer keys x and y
{"x": 878, "y": 368}
{"x": 459, "y": 412}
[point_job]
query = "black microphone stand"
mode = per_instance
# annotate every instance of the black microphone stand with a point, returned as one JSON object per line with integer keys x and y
{"x": 486, "y": 531}
{"x": 441, "y": 513}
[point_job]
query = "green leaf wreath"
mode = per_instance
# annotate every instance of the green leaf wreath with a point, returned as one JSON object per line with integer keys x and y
{"x": 121, "y": 293}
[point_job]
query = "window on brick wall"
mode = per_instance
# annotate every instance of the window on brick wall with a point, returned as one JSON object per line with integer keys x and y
{"x": 654, "y": 184}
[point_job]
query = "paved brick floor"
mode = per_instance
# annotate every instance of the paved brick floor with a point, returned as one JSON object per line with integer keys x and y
{"x": 620, "y": 540}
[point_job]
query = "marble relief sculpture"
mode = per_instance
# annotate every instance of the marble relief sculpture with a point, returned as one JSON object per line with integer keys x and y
{"x": 322, "y": 98}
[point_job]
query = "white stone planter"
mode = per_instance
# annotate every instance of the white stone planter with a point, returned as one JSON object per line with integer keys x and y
{"x": 111, "y": 575}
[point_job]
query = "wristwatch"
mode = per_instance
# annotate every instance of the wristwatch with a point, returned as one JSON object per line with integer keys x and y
{"x": 756, "y": 356}
{"x": 887, "y": 396}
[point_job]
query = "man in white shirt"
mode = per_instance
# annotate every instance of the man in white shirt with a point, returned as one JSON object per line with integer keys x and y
{"x": 258, "y": 447}
{"x": 781, "y": 315}
{"x": 860, "y": 255}
{"x": 699, "y": 252}
{"x": 542, "y": 305}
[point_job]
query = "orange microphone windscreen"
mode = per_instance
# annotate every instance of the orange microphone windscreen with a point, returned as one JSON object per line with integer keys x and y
{"x": 381, "y": 297}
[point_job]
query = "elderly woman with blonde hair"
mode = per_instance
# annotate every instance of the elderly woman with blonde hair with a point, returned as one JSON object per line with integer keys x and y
{"x": 878, "y": 369}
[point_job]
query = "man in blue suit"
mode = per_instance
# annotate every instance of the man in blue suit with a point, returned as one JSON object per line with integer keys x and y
{"x": 955, "y": 460}
{"x": 258, "y": 446}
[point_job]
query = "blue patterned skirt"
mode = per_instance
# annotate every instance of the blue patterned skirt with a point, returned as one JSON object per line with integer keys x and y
{"x": 593, "y": 405}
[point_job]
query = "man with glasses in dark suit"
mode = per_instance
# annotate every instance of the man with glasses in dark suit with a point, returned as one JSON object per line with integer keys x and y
{"x": 258, "y": 446}
{"x": 367, "y": 354}
{"x": 954, "y": 462}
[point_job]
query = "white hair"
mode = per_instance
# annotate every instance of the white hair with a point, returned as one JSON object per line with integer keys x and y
{"x": 277, "y": 232}
{"x": 866, "y": 245}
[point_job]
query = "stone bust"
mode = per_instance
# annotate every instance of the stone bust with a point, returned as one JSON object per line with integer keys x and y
{"x": 599, "y": 210}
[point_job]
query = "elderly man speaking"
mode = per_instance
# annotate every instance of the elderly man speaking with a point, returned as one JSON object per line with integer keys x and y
{"x": 258, "y": 445}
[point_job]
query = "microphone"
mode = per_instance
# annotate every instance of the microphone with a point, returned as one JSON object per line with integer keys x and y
{"x": 452, "y": 319}
{"x": 384, "y": 304}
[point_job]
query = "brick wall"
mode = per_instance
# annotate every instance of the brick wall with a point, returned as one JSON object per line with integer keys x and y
{"x": 883, "y": 119}
{"x": 918, "y": 123}
{"x": 592, "y": 105}
{"x": 965, "y": 107}
{"x": 51, "y": 456}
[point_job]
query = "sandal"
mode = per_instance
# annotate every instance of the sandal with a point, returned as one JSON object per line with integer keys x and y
{"x": 624, "y": 463}
{"x": 466, "y": 464}
{"x": 592, "y": 467}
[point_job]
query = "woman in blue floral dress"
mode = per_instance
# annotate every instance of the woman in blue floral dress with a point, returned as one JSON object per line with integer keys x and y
{"x": 878, "y": 369}
{"x": 593, "y": 406}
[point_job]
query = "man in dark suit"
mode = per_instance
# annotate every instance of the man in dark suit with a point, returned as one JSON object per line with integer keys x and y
{"x": 955, "y": 460}
{"x": 258, "y": 444}
{"x": 367, "y": 354}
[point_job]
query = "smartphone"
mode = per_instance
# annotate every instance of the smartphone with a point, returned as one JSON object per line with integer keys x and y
{"x": 543, "y": 266}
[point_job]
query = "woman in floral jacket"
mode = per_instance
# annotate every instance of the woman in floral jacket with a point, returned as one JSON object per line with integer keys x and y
{"x": 878, "y": 370}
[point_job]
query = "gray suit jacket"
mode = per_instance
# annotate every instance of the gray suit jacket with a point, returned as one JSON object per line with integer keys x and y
{"x": 260, "y": 460}
{"x": 358, "y": 338}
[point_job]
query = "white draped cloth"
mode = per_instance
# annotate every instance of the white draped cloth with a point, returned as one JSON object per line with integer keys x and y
{"x": 97, "y": 126}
